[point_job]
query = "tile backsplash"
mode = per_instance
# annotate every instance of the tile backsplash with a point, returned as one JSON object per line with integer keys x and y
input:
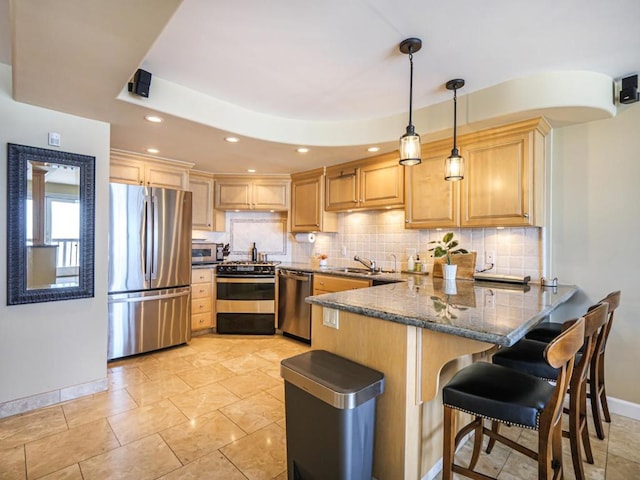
{"x": 378, "y": 235}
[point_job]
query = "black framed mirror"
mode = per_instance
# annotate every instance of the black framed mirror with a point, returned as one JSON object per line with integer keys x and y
{"x": 50, "y": 225}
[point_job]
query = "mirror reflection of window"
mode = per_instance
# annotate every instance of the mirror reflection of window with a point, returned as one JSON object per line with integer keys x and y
{"x": 53, "y": 225}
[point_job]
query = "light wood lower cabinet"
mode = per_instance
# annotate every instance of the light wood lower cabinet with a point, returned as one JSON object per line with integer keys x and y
{"x": 334, "y": 283}
{"x": 202, "y": 289}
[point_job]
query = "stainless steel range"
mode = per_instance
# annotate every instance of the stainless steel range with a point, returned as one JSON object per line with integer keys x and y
{"x": 245, "y": 298}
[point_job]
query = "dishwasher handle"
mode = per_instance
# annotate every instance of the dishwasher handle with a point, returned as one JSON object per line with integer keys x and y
{"x": 300, "y": 276}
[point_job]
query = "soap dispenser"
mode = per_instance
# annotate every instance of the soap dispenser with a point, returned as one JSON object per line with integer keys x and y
{"x": 411, "y": 263}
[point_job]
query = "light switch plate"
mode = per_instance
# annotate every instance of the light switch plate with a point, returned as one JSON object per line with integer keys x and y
{"x": 54, "y": 139}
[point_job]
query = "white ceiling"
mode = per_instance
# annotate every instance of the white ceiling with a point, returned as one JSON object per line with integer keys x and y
{"x": 291, "y": 70}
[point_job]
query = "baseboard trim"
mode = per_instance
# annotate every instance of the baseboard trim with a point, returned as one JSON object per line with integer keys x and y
{"x": 624, "y": 408}
{"x": 27, "y": 404}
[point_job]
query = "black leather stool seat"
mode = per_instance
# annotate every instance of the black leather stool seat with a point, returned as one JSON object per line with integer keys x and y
{"x": 526, "y": 356}
{"x": 545, "y": 332}
{"x": 500, "y": 393}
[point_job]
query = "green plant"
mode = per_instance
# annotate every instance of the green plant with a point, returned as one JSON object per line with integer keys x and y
{"x": 443, "y": 308}
{"x": 446, "y": 247}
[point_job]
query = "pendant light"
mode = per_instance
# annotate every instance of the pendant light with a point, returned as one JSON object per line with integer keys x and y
{"x": 410, "y": 141}
{"x": 454, "y": 165}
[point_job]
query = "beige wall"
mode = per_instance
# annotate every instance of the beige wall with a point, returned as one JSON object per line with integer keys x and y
{"x": 595, "y": 230}
{"x": 55, "y": 345}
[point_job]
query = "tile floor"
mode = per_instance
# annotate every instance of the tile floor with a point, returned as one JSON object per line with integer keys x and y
{"x": 213, "y": 410}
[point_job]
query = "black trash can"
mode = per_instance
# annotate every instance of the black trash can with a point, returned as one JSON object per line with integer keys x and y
{"x": 330, "y": 407}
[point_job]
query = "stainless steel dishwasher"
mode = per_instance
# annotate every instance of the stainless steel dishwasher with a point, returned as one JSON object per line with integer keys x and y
{"x": 294, "y": 314}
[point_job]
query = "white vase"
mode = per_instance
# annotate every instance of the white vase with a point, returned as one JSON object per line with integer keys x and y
{"x": 449, "y": 271}
{"x": 323, "y": 262}
{"x": 450, "y": 287}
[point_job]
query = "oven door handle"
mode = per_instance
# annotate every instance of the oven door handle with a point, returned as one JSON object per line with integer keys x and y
{"x": 220, "y": 279}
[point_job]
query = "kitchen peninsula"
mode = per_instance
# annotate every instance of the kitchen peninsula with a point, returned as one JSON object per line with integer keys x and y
{"x": 419, "y": 333}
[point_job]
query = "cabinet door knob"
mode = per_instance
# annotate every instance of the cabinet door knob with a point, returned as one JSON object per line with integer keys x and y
{"x": 526, "y": 215}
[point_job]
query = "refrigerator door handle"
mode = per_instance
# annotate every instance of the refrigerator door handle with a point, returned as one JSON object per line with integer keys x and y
{"x": 145, "y": 234}
{"x": 154, "y": 246}
{"x": 164, "y": 296}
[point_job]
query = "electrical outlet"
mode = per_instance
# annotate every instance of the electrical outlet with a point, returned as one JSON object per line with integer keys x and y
{"x": 344, "y": 250}
{"x": 330, "y": 317}
{"x": 490, "y": 256}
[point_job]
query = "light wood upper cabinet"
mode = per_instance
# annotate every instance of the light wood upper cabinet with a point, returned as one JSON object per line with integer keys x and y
{"x": 503, "y": 184}
{"x": 252, "y": 193}
{"x": 432, "y": 202}
{"x": 504, "y": 177}
{"x": 205, "y": 217}
{"x": 127, "y": 167}
{"x": 376, "y": 182}
{"x": 307, "y": 203}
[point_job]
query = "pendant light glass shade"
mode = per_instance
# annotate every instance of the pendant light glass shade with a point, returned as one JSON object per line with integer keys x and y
{"x": 454, "y": 165}
{"x": 410, "y": 151}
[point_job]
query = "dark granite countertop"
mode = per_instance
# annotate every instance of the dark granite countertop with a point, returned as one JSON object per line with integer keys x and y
{"x": 490, "y": 312}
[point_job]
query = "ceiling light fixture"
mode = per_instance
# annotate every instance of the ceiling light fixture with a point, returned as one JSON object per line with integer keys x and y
{"x": 231, "y": 139}
{"x": 152, "y": 150}
{"x": 410, "y": 141}
{"x": 251, "y": 170}
{"x": 454, "y": 164}
{"x": 302, "y": 150}
{"x": 153, "y": 118}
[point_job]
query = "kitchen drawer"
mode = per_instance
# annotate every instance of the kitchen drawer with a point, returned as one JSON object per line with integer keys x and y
{"x": 201, "y": 320}
{"x": 201, "y": 305}
{"x": 334, "y": 283}
{"x": 200, "y": 290}
{"x": 201, "y": 275}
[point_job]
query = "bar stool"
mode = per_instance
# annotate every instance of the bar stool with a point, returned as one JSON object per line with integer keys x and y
{"x": 528, "y": 356}
{"x": 597, "y": 389}
{"x": 509, "y": 396}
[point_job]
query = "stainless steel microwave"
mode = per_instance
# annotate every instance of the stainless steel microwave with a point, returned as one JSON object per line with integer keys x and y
{"x": 206, "y": 252}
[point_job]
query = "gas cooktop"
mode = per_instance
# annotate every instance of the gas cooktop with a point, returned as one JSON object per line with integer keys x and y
{"x": 241, "y": 267}
{"x": 248, "y": 262}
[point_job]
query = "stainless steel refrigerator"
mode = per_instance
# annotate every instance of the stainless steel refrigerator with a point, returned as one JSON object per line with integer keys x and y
{"x": 149, "y": 269}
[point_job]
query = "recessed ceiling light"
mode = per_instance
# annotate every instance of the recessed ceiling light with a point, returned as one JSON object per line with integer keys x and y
{"x": 152, "y": 150}
{"x": 302, "y": 150}
{"x": 231, "y": 139}
{"x": 251, "y": 170}
{"x": 153, "y": 118}
{"x": 373, "y": 149}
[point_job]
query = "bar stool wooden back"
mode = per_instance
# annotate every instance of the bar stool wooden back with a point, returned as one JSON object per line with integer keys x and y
{"x": 597, "y": 390}
{"x": 528, "y": 356}
{"x": 515, "y": 398}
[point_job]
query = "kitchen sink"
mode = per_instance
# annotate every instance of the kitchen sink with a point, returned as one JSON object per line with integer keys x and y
{"x": 362, "y": 271}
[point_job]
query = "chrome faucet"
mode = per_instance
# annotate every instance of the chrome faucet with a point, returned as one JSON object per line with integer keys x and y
{"x": 395, "y": 260}
{"x": 370, "y": 264}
